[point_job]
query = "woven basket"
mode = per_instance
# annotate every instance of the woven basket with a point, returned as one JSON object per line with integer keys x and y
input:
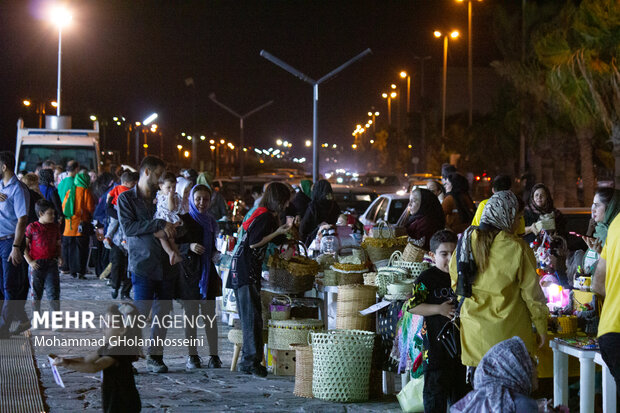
{"x": 341, "y": 369}
{"x": 303, "y": 370}
{"x": 414, "y": 268}
{"x": 567, "y": 325}
{"x": 351, "y": 300}
{"x": 379, "y": 249}
{"x": 283, "y": 333}
{"x": 330, "y": 277}
{"x": 295, "y": 275}
{"x": 388, "y": 275}
{"x": 280, "y": 311}
{"x": 369, "y": 278}
{"x": 413, "y": 253}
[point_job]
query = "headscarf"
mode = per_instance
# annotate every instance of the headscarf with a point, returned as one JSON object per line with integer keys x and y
{"x": 430, "y": 208}
{"x": 306, "y": 187}
{"x": 209, "y": 229}
{"x": 499, "y": 213}
{"x": 505, "y": 371}
{"x": 547, "y": 208}
{"x": 46, "y": 183}
{"x": 321, "y": 189}
{"x": 611, "y": 210}
{"x": 66, "y": 189}
{"x": 182, "y": 184}
{"x": 460, "y": 191}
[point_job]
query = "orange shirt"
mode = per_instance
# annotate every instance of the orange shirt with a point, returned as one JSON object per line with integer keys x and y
{"x": 84, "y": 208}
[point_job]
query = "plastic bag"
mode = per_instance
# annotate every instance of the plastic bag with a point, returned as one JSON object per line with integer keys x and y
{"x": 411, "y": 397}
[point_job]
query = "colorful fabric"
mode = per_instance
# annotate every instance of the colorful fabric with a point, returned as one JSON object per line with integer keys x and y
{"x": 67, "y": 190}
{"x": 504, "y": 374}
{"x": 43, "y": 240}
{"x": 209, "y": 229}
{"x": 116, "y": 191}
{"x": 258, "y": 211}
{"x": 306, "y": 187}
{"x": 611, "y": 210}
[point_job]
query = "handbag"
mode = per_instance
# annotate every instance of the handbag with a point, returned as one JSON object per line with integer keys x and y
{"x": 411, "y": 398}
{"x": 257, "y": 255}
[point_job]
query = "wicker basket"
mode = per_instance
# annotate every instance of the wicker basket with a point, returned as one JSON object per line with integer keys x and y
{"x": 567, "y": 325}
{"x": 283, "y": 333}
{"x": 282, "y": 310}
{"x": 379, "y": 249}
{"x": 413, "y": 253}
{"x": 341, "y": 364}
{"x": 414, "y": 268}
{"x": 330, "y": 277}
{"x": 351, "y": 300}
{"x": 369, "y": 278}
{"x": 388, "y": 275}
{"x": 295, "y": 275}
{"x": 303, "y": 370}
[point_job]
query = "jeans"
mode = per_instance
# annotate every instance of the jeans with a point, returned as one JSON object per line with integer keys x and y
{"x": 250, "y": 310}
{"x": 12, "y": 283}
{"x": 75, "y": 251}
{"x": 609, "y": 344}
{"x": 193, "y": 308}
{"x": 118, "y": 274}
{"x": 46, "y": 278}
{"x": 155, "y": 295}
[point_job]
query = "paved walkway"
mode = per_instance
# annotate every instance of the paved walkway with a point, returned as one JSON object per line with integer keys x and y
{"x": 204, "y": 390}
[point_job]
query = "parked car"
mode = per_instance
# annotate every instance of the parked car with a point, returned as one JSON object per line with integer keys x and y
{"x": 382, "y": 183}
{"x": 353, "y": 199}
{"x": 387, "y": 207}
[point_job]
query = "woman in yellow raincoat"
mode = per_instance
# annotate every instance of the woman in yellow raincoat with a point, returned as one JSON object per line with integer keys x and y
{"x": 499, "y": 280}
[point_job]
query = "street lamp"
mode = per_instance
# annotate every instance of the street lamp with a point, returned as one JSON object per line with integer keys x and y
{"x": 61, "y": 17}
{"x": 315, "y": 87}
{"x": 470, "y": 83}
{"x": 241, "y": 136}
{"x": 389, "y": 97}
{"x": 405, "y": 75}
{"x": 453, "y": 34}
{"x": 145, "y": 122}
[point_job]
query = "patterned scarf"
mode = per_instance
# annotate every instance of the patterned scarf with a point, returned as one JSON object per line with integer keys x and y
{"x": 499, "y": 214}
{"x": 209, "y": 229}
{"x": 505, "y": 371}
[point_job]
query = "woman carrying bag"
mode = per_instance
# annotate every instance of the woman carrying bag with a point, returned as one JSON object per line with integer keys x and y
{"x": 494, "y": 273}
{"x": 201, "y": 283}
{"x": 540, "y": 206}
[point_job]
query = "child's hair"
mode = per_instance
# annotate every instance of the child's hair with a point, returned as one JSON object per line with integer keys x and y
{"x": 41, "y": 206}
{"x": 32, "y": 181}
{"x": 168, "y": 177}
{"x": 129, "y": 314}
{"x": 275, "y": 197}
{"x": 441, "y": 236}
{"x": 129, "y": 177}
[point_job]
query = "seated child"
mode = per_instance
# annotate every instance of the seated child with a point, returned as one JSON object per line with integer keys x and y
{"x": 43, "y": 253}
{"x": 119, "y": 392}
{"x": 433, "y": 298}
{"x": 169, "y": 206}
{"x": 503, "y": 381}
{"x": 128, "y": 181}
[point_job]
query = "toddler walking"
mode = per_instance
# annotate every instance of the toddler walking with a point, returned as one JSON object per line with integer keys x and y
{"x": 43, "y": 253}
{"x": 169, "y": 206}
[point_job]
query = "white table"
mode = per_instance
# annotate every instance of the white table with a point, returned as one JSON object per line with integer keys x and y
{"x": 587, "y": 360}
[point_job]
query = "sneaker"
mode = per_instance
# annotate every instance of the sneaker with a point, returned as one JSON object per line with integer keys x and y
{"x": 108, "y": 283}
{"x": 214, "y": 362}
{"x": 115, "y": 293}
{"x": 21, "y": 327}
{"x": 259, "y": 371}
{"x": 156, "y": 364}
{"x": 193, "y": 362}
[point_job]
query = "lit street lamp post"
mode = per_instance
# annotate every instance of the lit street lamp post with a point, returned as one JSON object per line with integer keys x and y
{"x": 241, "y": 135}
{"x": 315, "y": 86}
{"x": 145, "y": 122}
{"x": 404, "y": 75}
{"x": 454, "y": 34}
{"x": 61, "y": 17}
{"x": 470, "y": 83}
{"x": 389, "y": 97}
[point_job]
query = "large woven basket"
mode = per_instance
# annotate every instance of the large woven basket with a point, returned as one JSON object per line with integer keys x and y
{"x": 341, "y": 369}
{"x": 303, "y": 370}
{"x": 280, "y": 308}
{"x": 379, "y": 249}
{"x": 413, "y": 253}
{"x": 351, "y": 300}
{"x": 414, "y": 268}
{"x": 283, "y": 333}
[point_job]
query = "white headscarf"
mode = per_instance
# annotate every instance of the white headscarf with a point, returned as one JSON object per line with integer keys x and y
{"x": 182, "y": 185}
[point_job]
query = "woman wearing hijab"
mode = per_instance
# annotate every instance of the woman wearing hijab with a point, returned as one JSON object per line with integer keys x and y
{"x": 302, "y": 199}
{"x": 457, "y": 205}
{"x": 201, "y": 283}
{"x": 503, "y": 382}
{"x": 183, "y": 188}
{"x": 540, "y": 203}
{"x": 495, "y": 273}
{"x": 322, "y": 209}
{"x": 422, "y": 217}
{"x": 48, "y": 190}
{"x": 605, "y": 207}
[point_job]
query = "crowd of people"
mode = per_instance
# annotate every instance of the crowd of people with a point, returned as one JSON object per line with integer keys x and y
{"x": 160, "y": 231}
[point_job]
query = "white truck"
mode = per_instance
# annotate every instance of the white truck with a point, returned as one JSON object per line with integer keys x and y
{"x": 57, "y": 142}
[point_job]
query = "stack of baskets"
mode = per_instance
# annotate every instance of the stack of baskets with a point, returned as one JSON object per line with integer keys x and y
{"x": 295, "y": 275}
{"x": 341, "y": 364}
{"x": 414, "y": 268}
{"x": 380, "y": 248}
{"x": 348, "y": 269}
{"x": 280, "y": 308}
{"x": 283, "y": 333}
{"x": 351, "y": 300}
{"x": 400, "y": 290}
{"x": 389, "y": 275}
{"x": 413, "y": 253}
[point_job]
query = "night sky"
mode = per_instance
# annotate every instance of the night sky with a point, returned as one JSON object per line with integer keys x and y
{"x": 131, "y": 58}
